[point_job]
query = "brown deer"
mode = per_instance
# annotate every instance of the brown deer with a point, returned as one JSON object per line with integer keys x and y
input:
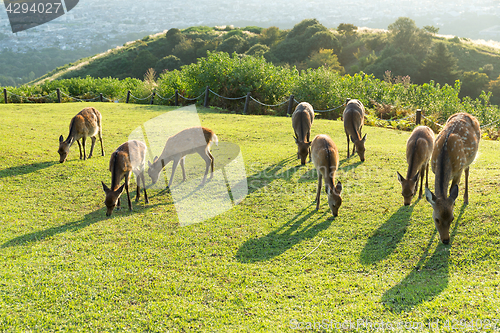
{"x": 188, "y": 141}
{"x": 302, "y": 119}
{"x": 455, "y": 149}
{"x": 419, "y": 149}
{"x": 87, "y": 123}
{"x": 129, "y": 157}
{"x": 325, "y": 157}
{"x": 354, "y": 116}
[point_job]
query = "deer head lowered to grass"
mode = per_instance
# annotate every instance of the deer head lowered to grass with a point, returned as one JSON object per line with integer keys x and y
{"x": 127, "y": 158}
{"x": 188, "y": 141}
{"x": 325, "y": 157}
{"x": 87, "y": 123}
{"x": 302, "y": 119}
{"x": 419, "y": 149}
{"x": 454, "y": 151}
{"x": 354, "y": 115}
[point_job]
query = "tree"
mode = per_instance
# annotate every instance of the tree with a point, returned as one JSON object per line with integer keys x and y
{"x": 473, "y": 83}
{"x": 440, "y": 66}
{"x": 325, "y": 58}
{"x": 431, "y": 29}
{"x": 142, "y": 63}
{"x": 347, "y": 29}
{"x": 271, "y": 36}
{"x": 405, "y": 36}
{"x": 257, "y": 50}
{"x": 494, "y": 87}
{"x": 233, "y": 44}
{"x": 170, "y": 63}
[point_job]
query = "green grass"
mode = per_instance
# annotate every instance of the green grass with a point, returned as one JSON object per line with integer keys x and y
{"x": 65, "y": 266}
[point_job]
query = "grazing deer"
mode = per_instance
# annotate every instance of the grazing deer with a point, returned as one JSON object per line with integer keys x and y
{"x": 325, "y": 157}
{"x": 129, "y": 157}
{"x": 87, "y": 123}
{"x": 188, "y": 141}
{"x": 302, "y": 119}
{"x": 354, "y": 115}
{"x": 455, "y": 149}
{"x": 419, "y": 149}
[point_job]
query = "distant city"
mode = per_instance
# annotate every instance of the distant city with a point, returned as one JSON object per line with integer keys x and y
{"x": 113, "y": 22}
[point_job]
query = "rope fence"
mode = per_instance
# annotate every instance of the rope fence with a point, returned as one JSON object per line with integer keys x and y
{"x": 290, "y": 100}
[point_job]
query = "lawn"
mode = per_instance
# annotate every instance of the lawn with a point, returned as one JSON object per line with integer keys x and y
{"x": 271, "y": 263}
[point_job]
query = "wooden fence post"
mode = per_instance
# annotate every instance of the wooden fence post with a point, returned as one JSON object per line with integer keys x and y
{"x": 58, "y": 95}
{"x": 5, "y": 95}
{"x": 176, "y": 97}
{"x": 247, "y": 101}
{"x": 128, "y": 96}
{"x": 100, "y": 96}
{"x": 418, "y": 116}
{"x": 152, "y": 98}
{"x": 205, "y": 102}
{"x": 290, "y": 105}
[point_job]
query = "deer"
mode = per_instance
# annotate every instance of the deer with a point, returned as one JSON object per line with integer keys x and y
{"x": 354, "y": 115}
{"x": 188, "y": 141}
{"x": 455, "y": 149}
{"x": 302, "y": 119}
{"x": 87, "y": 123}
{"x": 419, "y": 148}
{"x": 128, "y": 157}
{"x": 325, "y": 157}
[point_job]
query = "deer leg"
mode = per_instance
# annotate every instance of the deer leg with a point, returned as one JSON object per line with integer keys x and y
{"x": 80, "y": 147}
{"x": 422, "y": 171}
{"x": 174, "y": 166}
{"x": 138, "y": 192}
{"x": 353, "y": 149}
{"x": 318, "y": 193}
{"x": 93, "y": 138}
{"x": 466, "y": 193}
{"x": 183, "y": 160}
{"x": 100, "y": 139}
{"x": 427, "y": 175}
{"x": 83, "y": 144}
{"x": 347, "y": 145}
{"x": 127, "y": 178}
{"x": 144, "y": 186}
{"x": 208, "y": 161}
{"x": 211, "y": 163}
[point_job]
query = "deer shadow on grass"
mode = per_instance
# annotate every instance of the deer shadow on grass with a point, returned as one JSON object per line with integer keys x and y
{"x": 285, "y": 237}
{"x": 36, "y": 236}
{"x": 427, "y": 280}
{"x": 25, "y": 169}
{"x": 262, "y": 178}
{"x": 385, "y": 239}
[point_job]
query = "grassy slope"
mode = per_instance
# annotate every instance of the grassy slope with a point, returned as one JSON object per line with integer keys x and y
{"x": 66, "y": 266}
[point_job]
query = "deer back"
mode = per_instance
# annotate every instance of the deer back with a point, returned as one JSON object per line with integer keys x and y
{"x": 419, "y": 148}
{"x": 354, "y": 115}
{"x": 455, "y": 149}
{"x": 302, "y": 119}
{"x": 325, "y": 157}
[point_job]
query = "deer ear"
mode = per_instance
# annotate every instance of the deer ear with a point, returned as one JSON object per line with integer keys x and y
{"x": 309, "y": 144}
{"x": 364, "y": 138}
{"x": 155, "y": 159}
{"x": 430, "y": 196}
{"x": 339, "y": 187}
{"x": 105, "y": 188}
{"x": 296, "y": 140}
{"x": 416, "y": 176}
{"x": 61, "y": 139}
{"x": 400, "y": 178}
{"x": 352, "y": 139}
{"x": 454, "y": 192}
{"x": 120, "y": 190}
{"x": 149, "y": 164}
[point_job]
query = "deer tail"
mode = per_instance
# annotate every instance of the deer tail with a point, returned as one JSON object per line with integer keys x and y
{"x": 214, "y": 139}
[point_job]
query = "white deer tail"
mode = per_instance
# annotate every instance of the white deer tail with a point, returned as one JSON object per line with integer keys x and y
{"x": 214, "y": 139}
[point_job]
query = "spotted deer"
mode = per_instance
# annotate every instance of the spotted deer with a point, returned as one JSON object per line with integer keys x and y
{"x": 188, "y": 141}
{"x": 419, "y": 147}
{"x": 87, "y": 123}
{"x": 302, "y": 119}
{"x": 455, "y": 149}
{"x": 354, "y": 115}
{"x": 325, "y": 157}
{"x": 128, "y": 157}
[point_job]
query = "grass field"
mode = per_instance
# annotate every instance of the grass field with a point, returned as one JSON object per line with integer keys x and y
{"x": 271, "y": 263}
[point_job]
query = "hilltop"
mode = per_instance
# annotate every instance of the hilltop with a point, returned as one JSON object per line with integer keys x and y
{"x": 403, "y": 52}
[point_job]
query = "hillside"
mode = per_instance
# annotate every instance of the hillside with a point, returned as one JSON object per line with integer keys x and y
{"x": 347, "y": 49}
